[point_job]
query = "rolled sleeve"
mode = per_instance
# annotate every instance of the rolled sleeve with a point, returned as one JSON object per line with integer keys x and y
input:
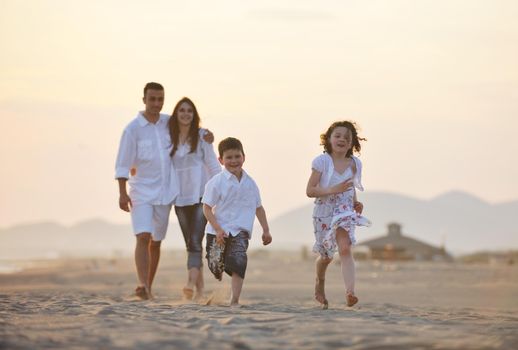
{"x": 209, "y": 159}
{"x": 126, "y": 155}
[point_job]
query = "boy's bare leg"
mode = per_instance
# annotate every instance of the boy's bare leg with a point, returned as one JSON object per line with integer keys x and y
{"x": 154, "y": 258}
{"x": 237, "y": 285}
{"x": 321, "y": 267}
{"x": 142, "y": 263}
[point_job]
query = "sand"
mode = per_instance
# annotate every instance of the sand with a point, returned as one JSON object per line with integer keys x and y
{"x": 88, "y": 304}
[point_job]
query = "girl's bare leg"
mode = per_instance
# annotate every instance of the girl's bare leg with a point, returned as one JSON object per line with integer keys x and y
{"x": 347, "y": 264}
{"x": 321, "y": 267}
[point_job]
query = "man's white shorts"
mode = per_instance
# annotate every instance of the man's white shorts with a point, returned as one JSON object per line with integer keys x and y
{"x": 150, "y": 218}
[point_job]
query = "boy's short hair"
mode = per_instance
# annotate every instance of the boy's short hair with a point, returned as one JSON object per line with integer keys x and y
{"x": 153, "y": 86}
{"x": 230, "y": 143}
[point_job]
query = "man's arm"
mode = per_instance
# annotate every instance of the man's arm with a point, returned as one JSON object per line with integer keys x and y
{"x": 124, "y": 199}
{"x": 260, "y": 213}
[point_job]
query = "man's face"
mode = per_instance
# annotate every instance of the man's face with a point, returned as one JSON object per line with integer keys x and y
{"x": 233, "y": 160}
{"x": 154, "y": 101}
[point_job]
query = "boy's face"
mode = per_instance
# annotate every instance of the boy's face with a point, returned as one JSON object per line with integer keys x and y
{"x": 154, "y": 101}
{"x": 233, "y": 160}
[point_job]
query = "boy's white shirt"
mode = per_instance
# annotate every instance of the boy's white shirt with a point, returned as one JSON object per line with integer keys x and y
{"x": 193, "y": 170}
{"x": 233, "y": 202}
{"x": 146, "y": 146}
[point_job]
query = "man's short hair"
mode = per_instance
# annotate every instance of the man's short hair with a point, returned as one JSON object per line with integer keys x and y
{"x": 152, "y": 86}
{"x": 230, "y": 143}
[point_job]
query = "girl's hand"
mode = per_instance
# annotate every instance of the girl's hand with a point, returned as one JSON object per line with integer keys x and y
{"x": 358, "y": 207}
{"x": 342, "y": 186}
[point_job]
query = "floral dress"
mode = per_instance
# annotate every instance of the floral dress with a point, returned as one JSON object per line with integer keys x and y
{"x": 335, "y": 211}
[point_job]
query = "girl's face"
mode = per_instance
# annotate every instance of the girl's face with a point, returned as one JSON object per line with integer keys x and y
{"x": 185, "y": 114}
{"x": 341, "y": 140}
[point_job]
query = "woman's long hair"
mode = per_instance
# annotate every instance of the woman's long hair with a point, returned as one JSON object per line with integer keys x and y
{"x": 174, "y": 127}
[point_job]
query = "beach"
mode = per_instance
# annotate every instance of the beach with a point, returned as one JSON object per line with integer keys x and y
{"x": 87, "y": 303}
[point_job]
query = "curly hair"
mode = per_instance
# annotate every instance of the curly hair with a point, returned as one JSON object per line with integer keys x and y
{"x": 356, "y": 146}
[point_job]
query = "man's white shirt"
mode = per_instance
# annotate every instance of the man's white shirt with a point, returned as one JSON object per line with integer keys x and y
{"x": 146, "y": 147}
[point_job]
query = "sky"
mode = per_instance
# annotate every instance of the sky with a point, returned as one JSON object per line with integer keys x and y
{"x": 433, "y": 86}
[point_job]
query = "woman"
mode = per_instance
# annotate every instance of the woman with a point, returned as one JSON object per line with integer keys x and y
{"x": 195, "y": 163}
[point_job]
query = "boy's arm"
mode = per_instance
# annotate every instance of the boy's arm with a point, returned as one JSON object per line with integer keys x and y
{"x": 211, "y": 218}
{"x": 261, "y": 216}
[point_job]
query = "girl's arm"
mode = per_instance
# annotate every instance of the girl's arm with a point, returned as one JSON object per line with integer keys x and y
{"x": 314, "y": 190}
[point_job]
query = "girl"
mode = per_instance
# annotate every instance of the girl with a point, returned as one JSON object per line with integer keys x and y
{"x": 195, "y": 163}
{"x": 334, "y": 177}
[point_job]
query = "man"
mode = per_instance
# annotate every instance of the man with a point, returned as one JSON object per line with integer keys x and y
{"x": 144, "y": 151}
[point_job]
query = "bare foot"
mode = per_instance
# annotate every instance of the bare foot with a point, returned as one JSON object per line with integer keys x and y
{"x": 198, "y": 295}
{"x": 141, "y": 292}
{"x": 351, "y": 299}
{"x": 187, "y": 293}
{"x": 320, "y": 294}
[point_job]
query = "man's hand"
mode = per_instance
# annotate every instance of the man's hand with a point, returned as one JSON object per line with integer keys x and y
{"x": 358, "y": 207}
{"x": 267, "y": 238}
{"x": 125, "y": 202}
{"x": 208, "y": 137}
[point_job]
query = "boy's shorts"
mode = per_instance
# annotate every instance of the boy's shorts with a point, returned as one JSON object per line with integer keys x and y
{"x": 230, "y": 257}
{"x": 150, "y": 218}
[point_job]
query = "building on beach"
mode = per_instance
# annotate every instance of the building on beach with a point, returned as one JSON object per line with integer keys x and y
{"x": 396, "y": 246}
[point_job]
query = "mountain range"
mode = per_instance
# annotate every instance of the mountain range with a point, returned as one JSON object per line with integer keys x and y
{"x": 459, "y": 221}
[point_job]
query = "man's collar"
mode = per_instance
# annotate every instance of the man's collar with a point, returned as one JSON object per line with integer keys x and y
{"x": 142, "y": 121}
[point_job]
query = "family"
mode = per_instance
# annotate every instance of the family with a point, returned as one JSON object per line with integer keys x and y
{"x": 169, "y": 160}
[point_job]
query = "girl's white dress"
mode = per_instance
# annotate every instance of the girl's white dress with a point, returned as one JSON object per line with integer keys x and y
{"x": 336, "y": 210}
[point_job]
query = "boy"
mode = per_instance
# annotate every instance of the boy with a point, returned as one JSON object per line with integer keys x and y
{"x": 230, "y": 203}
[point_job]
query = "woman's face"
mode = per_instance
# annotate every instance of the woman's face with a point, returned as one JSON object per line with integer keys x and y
{"x": 185, "y": 114}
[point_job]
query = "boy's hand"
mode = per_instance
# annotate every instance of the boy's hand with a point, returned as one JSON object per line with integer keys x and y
{"x": 267, "y": 238}
{"x": 358, "y": 207}
{"x": 220, "y": 237}
{"x": 208, "y": 136}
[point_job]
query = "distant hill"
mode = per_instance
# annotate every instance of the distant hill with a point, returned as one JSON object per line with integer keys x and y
{"x": 463, "y": 222}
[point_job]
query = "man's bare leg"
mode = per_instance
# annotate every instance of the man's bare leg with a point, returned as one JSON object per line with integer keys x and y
{"x": 142, "y": 263}
{"x": 154, "y": 258}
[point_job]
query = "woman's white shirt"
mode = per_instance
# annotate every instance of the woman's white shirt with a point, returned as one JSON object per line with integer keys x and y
{"x": 193, "y": 170}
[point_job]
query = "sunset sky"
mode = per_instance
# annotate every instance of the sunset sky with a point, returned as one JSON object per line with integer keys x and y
{"x": 432, "y": 84}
